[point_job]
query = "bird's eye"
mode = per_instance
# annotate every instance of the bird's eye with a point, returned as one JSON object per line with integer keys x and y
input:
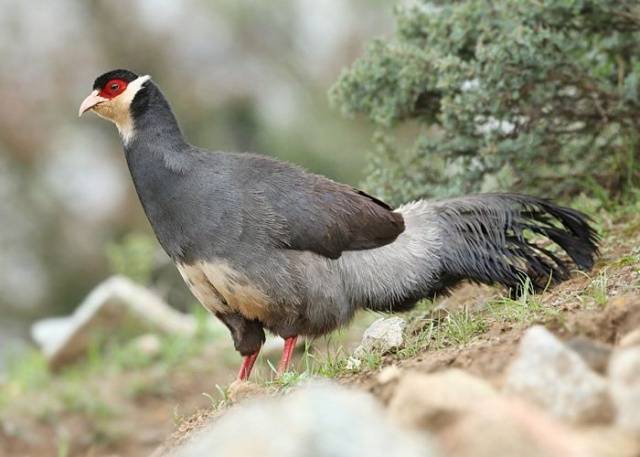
{"x": 113, "y": 88}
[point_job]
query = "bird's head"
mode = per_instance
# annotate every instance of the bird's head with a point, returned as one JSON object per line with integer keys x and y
{"x": 112, "y": 96}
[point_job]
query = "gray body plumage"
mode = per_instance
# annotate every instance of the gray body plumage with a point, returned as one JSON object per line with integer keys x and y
{"x": 264, "y": 244}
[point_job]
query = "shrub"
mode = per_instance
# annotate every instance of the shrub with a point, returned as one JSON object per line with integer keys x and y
{"x": 533, "y": 96}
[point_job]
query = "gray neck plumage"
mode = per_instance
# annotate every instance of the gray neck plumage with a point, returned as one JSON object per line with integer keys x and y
{"x": 158, "y": 158}
{"x": 157, "y": 140}
{"x": 156, "y": 153}
{"x": 154, "y": 121}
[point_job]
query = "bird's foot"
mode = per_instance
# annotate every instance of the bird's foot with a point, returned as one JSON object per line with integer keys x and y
{"x": 247, "y": 366}
{"x": 289, "y": 346}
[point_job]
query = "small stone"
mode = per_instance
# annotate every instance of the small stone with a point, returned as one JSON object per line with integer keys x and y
{"x": 624, "y": 375}
{"x": 383, "y": 335}
{"x": 630, "y": 339}
{"x": 353, "y": 363}
{"x": 556, "y": 378}
{"x": 148, "y": 344}
{"x": 433, "y": 401}
{"x": 389, "y": 374}
{"x": 596, "y": 354}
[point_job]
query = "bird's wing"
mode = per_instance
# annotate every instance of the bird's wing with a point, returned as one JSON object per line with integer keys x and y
{"x": 322, "y": 216}
{"x": 329, "y": 218}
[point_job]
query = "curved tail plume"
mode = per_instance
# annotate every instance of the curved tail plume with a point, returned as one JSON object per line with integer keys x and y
{"x": 486, "y": 238}
{"x": 506, "y": 238}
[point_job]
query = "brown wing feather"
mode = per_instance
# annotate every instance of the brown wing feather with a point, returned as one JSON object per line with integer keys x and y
{"x": 321, "y": 215}
{"x": 344, "y": 219}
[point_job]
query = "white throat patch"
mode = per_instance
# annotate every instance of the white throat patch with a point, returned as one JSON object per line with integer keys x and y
{"x": 117, "y": 109}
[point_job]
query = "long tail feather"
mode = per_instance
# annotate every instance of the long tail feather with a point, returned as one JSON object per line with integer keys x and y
{"x": 486, "y": 238}
{"x": 505, "y": 238}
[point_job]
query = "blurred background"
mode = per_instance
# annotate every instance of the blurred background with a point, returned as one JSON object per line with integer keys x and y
{"x": 241, "y": 75}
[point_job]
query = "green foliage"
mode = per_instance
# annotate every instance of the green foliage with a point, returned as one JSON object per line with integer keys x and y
{"x": 132, "y": 256}
{"x": 537, "y": 96}
{"x": 526, "y": 309}
{"x": 598, "y": 290}
{"x": 24, "y": 373}
{"x": 438, "y": 330}
{"x": 77, "y": 388}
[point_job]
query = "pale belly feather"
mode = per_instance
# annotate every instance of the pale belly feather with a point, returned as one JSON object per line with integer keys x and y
{"x": 222, "y": 289}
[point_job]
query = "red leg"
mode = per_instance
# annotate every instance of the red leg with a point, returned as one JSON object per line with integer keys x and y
{"x": 247, "y": 365}
{"x": 289, "y": 346}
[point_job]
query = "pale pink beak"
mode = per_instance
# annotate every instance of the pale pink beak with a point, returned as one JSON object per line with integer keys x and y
{"x": 92, "y": 100}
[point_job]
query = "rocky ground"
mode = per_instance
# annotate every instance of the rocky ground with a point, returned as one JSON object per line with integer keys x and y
{"x": 553, "y": 398}
{"x": 476, "y": 373}
{"x": 556, "y": 374}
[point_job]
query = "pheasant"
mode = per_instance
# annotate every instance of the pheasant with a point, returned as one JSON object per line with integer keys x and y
{"x": 264, "y": 244}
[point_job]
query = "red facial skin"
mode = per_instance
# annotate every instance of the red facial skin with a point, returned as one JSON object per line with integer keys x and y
{"x": 113, "y": 88}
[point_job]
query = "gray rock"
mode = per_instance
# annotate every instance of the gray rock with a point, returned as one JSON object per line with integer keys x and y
{"x": 317, "y": 420}
{"x": 382, "y": 335}
{"x": 624, "y": 375}
{"x": 553, "y": 376}
{"x": 113, "y": 302}
{"x": 596, "y": 354}
{"x": 434, "y": 401}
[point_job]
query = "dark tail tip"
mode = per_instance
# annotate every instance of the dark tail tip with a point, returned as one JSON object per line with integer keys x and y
{"x": 507, "y": 238}
{"x": 577, "y": 238}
